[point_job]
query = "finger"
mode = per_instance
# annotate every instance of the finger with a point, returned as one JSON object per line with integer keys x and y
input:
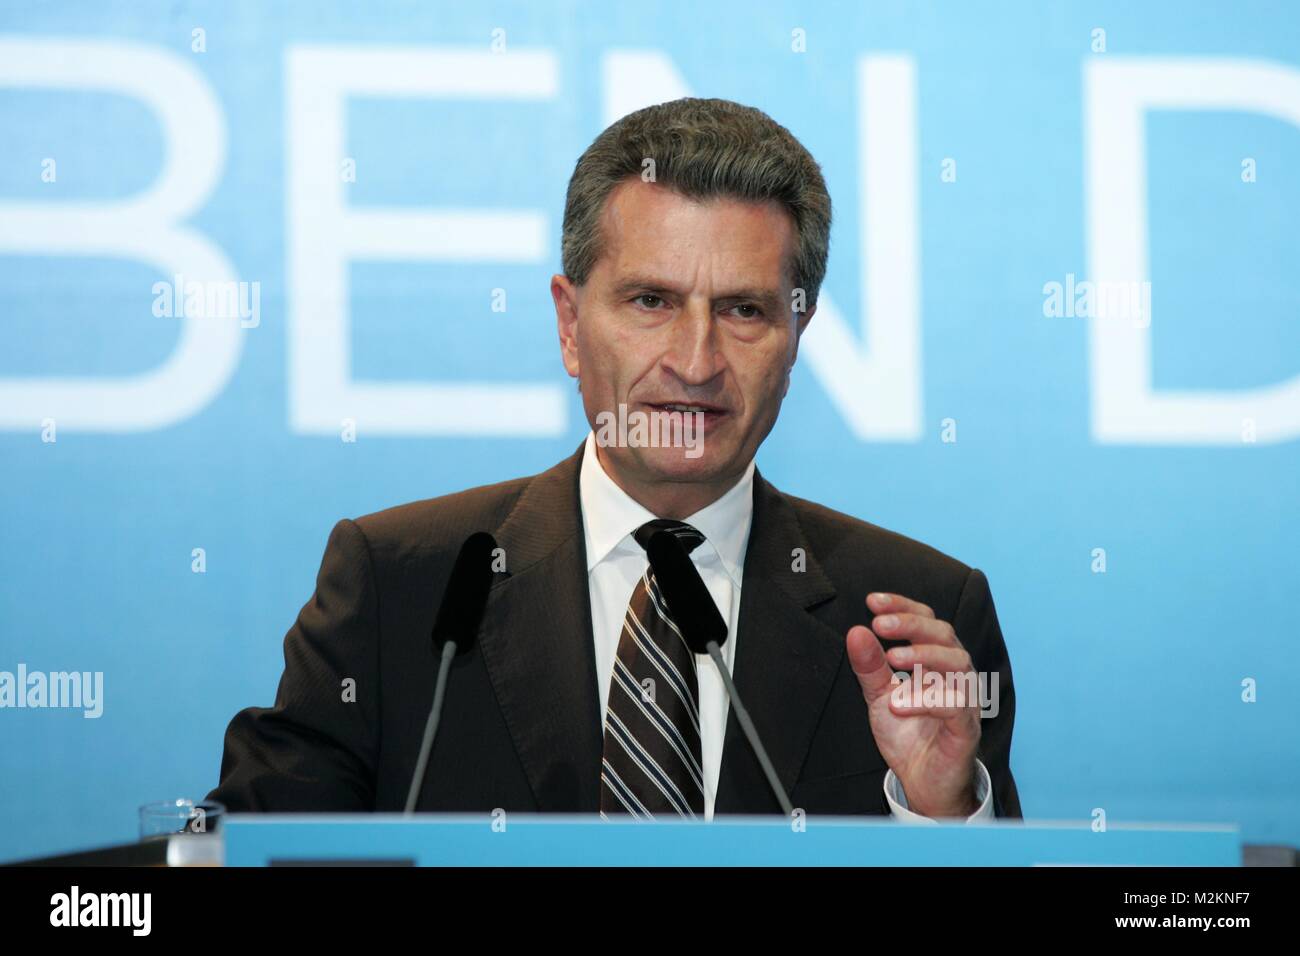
{"x": 883, "y": 602}
{"x": 914, "y": 628}
{"x": 912, "y": 699}
{"x": 867, "y": 658}
{"x": 932, "y": 657}
{"x": 960, "y": 716}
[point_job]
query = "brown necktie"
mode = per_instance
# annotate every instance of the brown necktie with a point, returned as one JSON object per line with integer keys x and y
{"x": 652, "y": 765}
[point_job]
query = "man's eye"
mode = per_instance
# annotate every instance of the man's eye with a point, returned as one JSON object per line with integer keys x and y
{"x": 649, "y": 300}
{"x": 747, "y": 310}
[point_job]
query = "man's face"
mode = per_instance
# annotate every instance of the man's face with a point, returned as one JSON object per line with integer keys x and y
{"x": 689, "y": 304}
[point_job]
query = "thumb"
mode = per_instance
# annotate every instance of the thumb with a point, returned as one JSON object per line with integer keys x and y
{"x": 867, "y": 658}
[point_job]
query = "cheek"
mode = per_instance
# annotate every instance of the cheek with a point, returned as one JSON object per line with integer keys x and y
{"x": 597, "y": 351}
{"x": 626, "y": 354}
{"x": 762, "y": 378}
{"x": 609, "y": 364}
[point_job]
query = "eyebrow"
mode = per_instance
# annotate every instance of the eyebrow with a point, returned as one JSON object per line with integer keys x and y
{"x": 768, "y": 298}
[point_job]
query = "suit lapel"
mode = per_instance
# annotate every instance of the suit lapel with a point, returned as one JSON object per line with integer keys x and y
{"x": 537, "y": 644}
{"x": 786, "y": 659}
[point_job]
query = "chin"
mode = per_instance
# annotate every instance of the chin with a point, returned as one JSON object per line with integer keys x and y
{"x": 672, "y": 464}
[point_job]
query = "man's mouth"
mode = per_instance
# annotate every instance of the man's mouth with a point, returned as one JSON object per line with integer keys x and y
{"x": 694, "y": 418}
{"x": 690, "y": 407}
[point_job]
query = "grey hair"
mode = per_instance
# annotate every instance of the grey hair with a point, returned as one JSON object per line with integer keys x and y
{"x": 703, "y": 149}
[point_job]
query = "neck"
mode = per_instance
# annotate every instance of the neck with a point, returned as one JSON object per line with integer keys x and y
{"x": 668, "y": 499}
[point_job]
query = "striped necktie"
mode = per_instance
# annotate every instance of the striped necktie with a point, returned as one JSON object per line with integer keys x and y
{"x": 651, "y": 763}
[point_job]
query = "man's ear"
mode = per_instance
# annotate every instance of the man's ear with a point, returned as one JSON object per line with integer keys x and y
{"x": 805, "y": 318}
{"x": 800, "y": 324}
{"x": 565, "y": 295}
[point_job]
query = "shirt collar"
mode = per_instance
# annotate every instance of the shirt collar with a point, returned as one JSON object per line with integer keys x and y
{"x": 610, "y": 515}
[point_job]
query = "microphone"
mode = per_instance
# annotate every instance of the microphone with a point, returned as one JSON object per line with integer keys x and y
{"x": 453, "y": 633}
{"x": 705, "y": 632}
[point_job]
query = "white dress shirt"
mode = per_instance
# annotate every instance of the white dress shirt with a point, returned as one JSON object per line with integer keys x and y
{"x": 615, "y": 563}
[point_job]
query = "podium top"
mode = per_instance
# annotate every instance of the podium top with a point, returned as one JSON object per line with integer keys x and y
{"x": 561, "y": 840}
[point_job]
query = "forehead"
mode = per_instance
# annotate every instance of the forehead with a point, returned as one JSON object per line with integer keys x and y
{"x": 651, "y": 229}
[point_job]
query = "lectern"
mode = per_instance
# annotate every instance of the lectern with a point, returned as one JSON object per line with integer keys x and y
{"x": 546, "y": 840}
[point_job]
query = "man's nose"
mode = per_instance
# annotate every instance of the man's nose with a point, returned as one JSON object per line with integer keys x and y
{"x": 692, "y": 353}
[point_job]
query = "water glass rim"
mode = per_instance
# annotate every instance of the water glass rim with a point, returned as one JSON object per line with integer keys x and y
{"x": 171, "y": 807}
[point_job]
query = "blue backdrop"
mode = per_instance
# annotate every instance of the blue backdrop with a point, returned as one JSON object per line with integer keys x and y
{"x": 386, "y": 181}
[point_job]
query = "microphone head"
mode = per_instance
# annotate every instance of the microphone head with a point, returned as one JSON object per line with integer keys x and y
{"x": 466, "y": 595}
{"x": 683, "y": 589}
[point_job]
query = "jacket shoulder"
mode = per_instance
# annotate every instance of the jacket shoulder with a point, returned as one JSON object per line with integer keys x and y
{"x": 851, "y": 549}
{"x": 441, "y": 524}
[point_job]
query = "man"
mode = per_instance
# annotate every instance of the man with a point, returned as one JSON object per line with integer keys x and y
{"x": 695, "y": 242}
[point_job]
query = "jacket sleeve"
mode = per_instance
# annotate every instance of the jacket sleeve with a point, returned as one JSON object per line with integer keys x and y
{"x": 317, "y": 748}
{"x": 976, "y": 624}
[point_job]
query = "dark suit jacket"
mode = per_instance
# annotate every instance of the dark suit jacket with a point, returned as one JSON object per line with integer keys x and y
{"x": 521, "y": 730}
